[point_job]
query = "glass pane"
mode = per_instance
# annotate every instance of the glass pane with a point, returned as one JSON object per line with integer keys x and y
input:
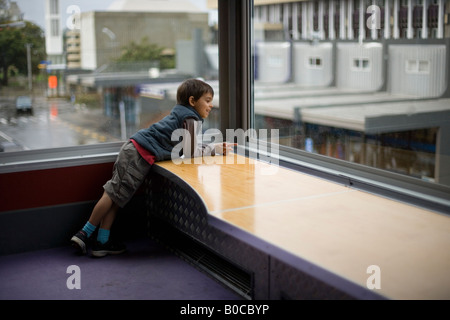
{"x": 356, "y": 83}
{"x": 97, "y": 71}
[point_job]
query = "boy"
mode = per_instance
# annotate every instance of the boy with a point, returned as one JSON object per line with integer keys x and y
{"x": 194, "y": 103}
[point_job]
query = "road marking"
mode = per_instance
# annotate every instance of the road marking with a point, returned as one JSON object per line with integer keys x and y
{"x": 94, "y": 135}
{"x": 36, "y": 119}
{"x": 6, "y": 137}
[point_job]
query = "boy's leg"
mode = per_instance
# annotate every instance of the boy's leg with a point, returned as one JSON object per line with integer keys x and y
{"x": 104, "y": 245}
{"x": 121, "y": 188}
{"x": 106, "y": 224}
{"x": 103, "y": 214}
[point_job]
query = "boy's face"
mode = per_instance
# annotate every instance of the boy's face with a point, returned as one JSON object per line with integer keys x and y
{"x": 203, "y": 105}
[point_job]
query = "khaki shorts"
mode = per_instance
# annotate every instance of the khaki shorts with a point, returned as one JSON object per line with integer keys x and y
{"x": 129, "y": 171}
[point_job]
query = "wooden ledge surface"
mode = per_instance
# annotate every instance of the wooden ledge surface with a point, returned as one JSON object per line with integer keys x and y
{"x": 340, "y": 229}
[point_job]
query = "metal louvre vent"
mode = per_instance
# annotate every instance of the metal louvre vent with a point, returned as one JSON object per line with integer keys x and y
{"x": 177, "y": 218}
{"x": 204, "y": 259}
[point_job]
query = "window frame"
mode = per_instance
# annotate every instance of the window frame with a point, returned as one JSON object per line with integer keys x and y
{"x": 51, "y": 158}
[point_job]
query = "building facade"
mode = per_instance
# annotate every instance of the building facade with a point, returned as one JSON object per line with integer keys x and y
{"x": 104, "y": 34}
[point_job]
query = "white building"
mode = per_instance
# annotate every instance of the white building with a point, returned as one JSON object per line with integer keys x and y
{"x": 104, "y": 33}
{"x": 53, "y": 32}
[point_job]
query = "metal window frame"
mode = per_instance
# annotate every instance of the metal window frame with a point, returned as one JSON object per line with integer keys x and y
{"x": 51, "y": 158}
{"x": 235, "y": 64}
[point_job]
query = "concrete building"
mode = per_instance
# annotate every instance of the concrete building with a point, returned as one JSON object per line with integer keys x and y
{"x": 175, "y": 25}
{"x": 104, "y": 34}
{"x": 73, "y": 49}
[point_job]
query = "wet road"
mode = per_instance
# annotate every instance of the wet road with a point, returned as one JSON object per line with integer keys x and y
{"x": 54, "y": 123}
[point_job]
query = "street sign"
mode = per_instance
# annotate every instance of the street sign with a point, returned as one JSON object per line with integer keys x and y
{"x": 52, "y": 82}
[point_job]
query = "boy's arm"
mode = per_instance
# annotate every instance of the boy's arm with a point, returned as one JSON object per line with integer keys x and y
{"x": 191, "y": 147}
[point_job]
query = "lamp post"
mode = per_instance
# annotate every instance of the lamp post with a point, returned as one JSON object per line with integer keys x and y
{"x": 30, "y": 76}
{"x": 113, "y": 43}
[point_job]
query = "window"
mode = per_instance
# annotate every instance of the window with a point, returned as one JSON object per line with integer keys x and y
{"x": 361, "y": 64}
{"x": 314, "y": 62}
{"x": 54, "y": 27}
{"x": 378, "y": 128}
{"x": 367, "y": 118}
{"x": 92, "y": 75}
{"x": 54, "y": 7}
{"x": 417, "y": 66}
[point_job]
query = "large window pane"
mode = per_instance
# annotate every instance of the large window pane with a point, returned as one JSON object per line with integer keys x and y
{"x": 357, "y": 81}
{"x": 97, "y": 71}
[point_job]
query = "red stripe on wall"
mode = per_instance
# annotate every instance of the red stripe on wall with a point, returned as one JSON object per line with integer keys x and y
{"x": 39, "y": 188}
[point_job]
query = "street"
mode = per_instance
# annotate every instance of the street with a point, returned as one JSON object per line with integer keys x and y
{"x": 54, "y": 122}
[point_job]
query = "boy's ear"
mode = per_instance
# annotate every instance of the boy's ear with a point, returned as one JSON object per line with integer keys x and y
{"x": 191, "y": 101}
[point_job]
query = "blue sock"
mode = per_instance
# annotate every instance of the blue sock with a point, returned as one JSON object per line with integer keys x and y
{"x": 102, "y": 236}
{"x": 89, "y": 228}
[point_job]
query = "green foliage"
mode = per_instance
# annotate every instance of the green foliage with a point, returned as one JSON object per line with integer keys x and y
{"x": 13, "y": 51}
{"x": 91, "y": 100}
{"x": 146, "y": 51}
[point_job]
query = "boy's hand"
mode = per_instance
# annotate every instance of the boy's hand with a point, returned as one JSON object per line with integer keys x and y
{"x": 224, "y": 148}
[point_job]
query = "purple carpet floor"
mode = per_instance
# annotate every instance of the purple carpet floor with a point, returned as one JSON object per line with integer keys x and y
{"x": 146, "y": 271}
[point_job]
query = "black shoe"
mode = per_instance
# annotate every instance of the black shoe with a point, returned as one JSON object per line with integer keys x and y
{"x": 110, "y": 247}
{"x": 79, "y": 241}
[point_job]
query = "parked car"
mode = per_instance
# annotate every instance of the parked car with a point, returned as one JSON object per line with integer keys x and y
{"x": 24, "y": 104}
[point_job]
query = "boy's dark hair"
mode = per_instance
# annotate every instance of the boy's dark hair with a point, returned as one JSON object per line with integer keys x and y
{"x": 192, "y": 87}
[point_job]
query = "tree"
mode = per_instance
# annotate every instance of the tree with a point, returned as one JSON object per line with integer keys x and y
{"x": 145, "y": 51}
{"x": 13, "y": 51}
